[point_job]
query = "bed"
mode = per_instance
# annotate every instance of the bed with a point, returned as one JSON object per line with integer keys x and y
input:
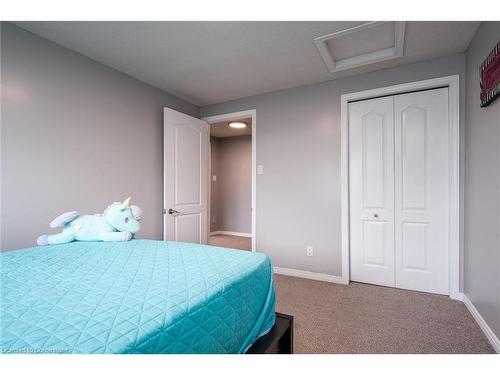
{"x": 140, "y": 296}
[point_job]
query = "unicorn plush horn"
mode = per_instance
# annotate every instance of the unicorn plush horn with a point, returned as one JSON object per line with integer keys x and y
{"x": 126, "y": 202}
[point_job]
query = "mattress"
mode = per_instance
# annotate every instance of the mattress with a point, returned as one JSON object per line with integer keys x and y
{"x": 139, "y": 296}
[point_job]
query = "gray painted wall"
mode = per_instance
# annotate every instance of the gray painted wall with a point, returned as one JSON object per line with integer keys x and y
{"x": 231, "y": 193}
{"x": 482, "y": 186}
{"x": 298, "y": 143}
{"x": 75, "y": 135}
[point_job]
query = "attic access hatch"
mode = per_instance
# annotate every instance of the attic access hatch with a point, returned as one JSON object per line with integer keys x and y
{"x": 364, "y": 44}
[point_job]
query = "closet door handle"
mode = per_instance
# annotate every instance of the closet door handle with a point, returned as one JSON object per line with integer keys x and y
{"x": 172, "y": 211}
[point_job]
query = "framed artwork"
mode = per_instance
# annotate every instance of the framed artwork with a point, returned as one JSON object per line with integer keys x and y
{"x": 489, "y": 77}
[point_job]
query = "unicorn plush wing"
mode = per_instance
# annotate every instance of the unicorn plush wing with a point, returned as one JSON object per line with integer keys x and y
{"x": 64, "y": 219}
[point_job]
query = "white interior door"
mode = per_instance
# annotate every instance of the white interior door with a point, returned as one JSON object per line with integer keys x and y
{"x": 399, "y": 191}
{"x": 185, "y": 171}
{"x": 371, "y": 197}
{"x": 421, "y": 130}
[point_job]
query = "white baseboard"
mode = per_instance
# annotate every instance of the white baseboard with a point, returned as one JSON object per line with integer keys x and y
{"x": 492, "y": 338}
{"x": 227, "y": 233}
{"x": 309, "y": 275}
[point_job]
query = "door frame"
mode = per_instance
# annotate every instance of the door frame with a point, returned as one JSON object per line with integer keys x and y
{"x": 239, "y": 116}
{"x": 453, "y": 85}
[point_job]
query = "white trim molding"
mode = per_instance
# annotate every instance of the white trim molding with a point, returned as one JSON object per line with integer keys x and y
{"x": 239, "y": 116}
{"x": 308, "y": 275}
{"x": 492, "y": 338}
{"x": 452, "y": 82}
{"x": 228, "y": 233}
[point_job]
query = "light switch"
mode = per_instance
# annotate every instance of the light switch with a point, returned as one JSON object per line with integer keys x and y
{"x": 260, "y": 169}
{"x": 214, "y": 178}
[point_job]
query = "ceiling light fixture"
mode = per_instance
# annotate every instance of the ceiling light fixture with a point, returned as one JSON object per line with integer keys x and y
{"x": 237, "y": 125}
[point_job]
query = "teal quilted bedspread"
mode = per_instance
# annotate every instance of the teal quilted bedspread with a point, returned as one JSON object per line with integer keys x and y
{"x": 139, "y": 296}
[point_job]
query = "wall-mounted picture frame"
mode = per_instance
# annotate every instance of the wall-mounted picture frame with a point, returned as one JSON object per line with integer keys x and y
{"x": 489, "y": 77}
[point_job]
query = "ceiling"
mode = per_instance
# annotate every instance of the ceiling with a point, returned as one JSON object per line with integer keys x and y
{"x": 212, "y": 62}
{"x": 222, "y": 129}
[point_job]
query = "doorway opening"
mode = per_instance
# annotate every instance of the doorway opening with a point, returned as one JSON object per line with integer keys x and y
{"x": 231, "y": 185}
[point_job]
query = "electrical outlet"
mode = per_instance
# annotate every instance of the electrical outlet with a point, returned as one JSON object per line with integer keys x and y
{"x": 309, "y": 251}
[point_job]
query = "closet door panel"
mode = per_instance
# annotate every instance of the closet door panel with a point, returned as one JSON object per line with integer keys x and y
{"x": 371, "y": 179}
{"x": 421, "y": 132}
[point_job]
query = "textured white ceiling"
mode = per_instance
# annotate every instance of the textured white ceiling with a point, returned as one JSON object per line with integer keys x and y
{"x": 212, "y": 62}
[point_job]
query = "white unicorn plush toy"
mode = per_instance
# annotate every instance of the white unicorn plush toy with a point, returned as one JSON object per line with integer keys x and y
{"x": 119, "y": 222}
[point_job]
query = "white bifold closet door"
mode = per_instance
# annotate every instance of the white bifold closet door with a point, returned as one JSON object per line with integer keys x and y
{"x": 371, "y": 195}
{"x": 399, "y": 190}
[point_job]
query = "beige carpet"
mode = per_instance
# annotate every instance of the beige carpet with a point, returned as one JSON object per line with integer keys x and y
{"x": 361, "y": 318}
{"x": 233, "y": 242}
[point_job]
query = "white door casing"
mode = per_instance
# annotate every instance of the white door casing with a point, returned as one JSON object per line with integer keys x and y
{"x": 371, "y": 155}
{"x": 421, "y": 190}
{"x": 185, "y": 173}
{"x": 454, "y": 182}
